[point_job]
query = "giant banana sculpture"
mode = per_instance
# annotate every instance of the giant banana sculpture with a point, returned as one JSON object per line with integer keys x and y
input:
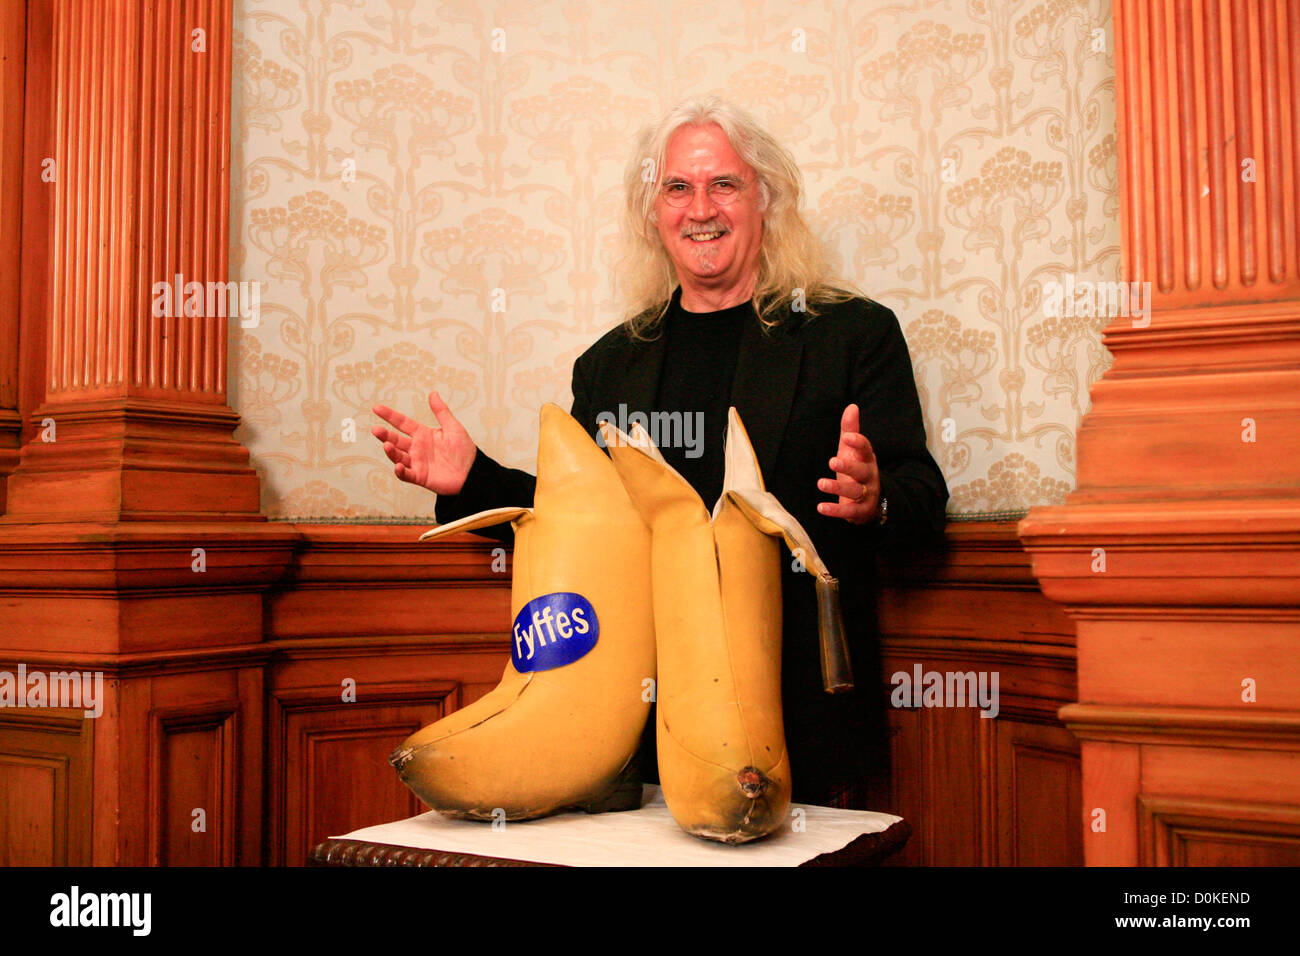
{"x": 717, "y": 598}
{"x": 560, "y": 729}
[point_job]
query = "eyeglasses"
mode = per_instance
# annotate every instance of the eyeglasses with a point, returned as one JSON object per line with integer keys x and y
{"x": 721, "y": 191}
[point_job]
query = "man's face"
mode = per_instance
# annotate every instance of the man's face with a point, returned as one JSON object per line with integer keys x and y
{"x": 698, "y": 156}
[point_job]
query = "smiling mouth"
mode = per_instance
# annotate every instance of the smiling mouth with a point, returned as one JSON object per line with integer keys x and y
{"x": 706, "y": 236}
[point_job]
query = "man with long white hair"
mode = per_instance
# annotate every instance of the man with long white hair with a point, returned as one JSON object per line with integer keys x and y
{"x": 731, "y": 301}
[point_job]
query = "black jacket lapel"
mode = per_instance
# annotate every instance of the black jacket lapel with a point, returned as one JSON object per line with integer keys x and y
{"x": 767, "y": 372}
{"x": 640, "y": 376}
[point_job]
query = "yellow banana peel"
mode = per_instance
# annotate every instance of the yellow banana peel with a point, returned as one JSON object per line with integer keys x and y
{"x": 716, "y": 582}
{"x": 561, "y": 728}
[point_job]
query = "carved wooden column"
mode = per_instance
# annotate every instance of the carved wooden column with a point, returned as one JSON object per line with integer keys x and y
{"x": 141, "y": 428}
{"x": 132, "y": 543}
{"x": 1178, "y": 554}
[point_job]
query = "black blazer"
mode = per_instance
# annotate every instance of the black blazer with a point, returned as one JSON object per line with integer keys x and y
{"x": 791, "y": 387}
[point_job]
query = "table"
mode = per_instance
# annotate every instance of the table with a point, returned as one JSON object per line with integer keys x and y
{"x": 815, "y": 836}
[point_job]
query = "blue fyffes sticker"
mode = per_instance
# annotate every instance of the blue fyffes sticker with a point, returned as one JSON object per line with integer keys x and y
{"x": 553, "y": 630}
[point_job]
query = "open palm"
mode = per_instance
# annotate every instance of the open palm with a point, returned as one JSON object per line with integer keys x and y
{"x": 435, "y": 458}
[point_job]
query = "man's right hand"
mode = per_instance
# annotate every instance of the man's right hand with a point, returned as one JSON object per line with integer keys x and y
{"x": 435, "y": 458}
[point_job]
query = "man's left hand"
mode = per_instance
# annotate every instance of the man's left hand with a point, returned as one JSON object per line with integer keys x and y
{"x": 857, "y": 479}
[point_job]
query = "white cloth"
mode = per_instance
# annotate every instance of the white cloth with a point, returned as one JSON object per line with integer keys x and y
{"x": 645, "y": 837}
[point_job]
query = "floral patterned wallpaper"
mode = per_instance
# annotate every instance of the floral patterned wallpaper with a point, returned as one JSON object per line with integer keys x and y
{"x": 428, "y": 193}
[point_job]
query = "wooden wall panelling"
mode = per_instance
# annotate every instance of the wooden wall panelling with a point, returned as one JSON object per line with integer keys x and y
{"x": 193, "y": 807}
{"x": 1182, "y": 832}
{"x": 1037, "y": 766}
{"x": 335, "y": 775}
{"x": 45, "y": 787}
{"x": 421, "y": 629}
{"x": 963, "y": 780}
{"x": 133, "y": 588}
{"x": 197, "y": 729}
{"x": 955, "y": 746}
{"x": 907, "y": 769}
{"x": 1112, "y": 775}
{"x": 978, "y": 790}
{"x": 328, "y": 756}
{"x": 167, "y": 741}
{"x": 376, "y": 580}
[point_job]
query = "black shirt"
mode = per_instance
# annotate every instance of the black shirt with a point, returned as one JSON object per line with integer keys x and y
{"x": 694, "y": 393}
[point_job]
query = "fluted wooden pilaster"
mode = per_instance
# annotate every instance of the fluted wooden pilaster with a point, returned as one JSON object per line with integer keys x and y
{"x": 1210, "y": 86}
{"x": 1178, "y": 554}
{"x": 141, "y": 143}
{"x": 1209, "y": 133}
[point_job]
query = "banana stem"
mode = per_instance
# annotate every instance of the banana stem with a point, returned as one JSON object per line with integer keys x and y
{"x": 837, "y": 671}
